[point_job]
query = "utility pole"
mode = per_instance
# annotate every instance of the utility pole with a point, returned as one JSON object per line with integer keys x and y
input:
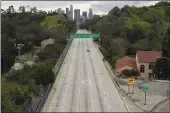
{"x": 18, "y": 48}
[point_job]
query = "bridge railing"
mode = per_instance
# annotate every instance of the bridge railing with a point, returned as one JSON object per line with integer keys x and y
{"x": 56, "y": 70}
{"x": 30, "y": 108}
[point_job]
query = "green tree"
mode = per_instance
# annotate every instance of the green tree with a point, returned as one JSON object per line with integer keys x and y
{"x": 114, "y": 59}
{"x": 161, "y": 69}
{"x": 44, "y": 74}
{"x": 126, "y": 72}
{"x": 20, "y": 95}
{"x": 6, "y": 104}
{"x": 21, "y": 9}
{"x": 8, "y": 53}
{"x": 134, "y": 72}
{"x": 52, "y": 50}
{"x": 130, "y": 72}
{"x": 166, "y": 44}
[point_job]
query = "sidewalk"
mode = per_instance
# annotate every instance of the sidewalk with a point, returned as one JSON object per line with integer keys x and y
{"x": 138, "y": 98}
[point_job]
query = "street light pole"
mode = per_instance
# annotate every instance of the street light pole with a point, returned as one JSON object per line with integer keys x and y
{"x": 18, "y": 48}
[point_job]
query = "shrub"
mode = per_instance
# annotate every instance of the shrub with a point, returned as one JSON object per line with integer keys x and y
{"x": 128, "y": 72}
{"x": 114, "y": 59}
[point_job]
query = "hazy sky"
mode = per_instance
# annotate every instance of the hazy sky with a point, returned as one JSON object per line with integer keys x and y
{"x": 99, "y": 7}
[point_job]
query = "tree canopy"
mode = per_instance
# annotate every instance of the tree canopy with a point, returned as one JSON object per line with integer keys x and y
{"x": 143, "y": 28}
{"x": 29, "y": 26}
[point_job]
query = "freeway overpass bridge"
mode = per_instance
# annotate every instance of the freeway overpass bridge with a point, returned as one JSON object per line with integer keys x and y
{"x": 84, "y": 84}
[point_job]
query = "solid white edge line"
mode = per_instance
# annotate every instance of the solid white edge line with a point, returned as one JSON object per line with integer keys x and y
{"x": 113, "y": 83}
{"x": 127, "y": 108}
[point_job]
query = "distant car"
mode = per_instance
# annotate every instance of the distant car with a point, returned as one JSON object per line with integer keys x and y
{"x": 88, "y": 50}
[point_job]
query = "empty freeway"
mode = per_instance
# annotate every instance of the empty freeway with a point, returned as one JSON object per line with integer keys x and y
{"x": 84, "y": 84}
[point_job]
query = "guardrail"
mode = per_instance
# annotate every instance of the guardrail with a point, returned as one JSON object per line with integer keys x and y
{"x": 49, "y": 87}
{"x": 164, "y": 81}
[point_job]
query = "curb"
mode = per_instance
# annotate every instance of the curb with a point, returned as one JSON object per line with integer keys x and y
{"x": 159, "y": 104}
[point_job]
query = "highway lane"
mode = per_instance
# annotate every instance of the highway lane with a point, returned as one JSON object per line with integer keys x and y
{"x": 84, "y": 84}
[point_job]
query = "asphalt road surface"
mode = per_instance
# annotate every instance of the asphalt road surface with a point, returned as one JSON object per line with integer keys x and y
{"x": 84, "y": 84}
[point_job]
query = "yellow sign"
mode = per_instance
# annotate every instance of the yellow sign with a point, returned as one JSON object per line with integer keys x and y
{"x": 131, "y": 81}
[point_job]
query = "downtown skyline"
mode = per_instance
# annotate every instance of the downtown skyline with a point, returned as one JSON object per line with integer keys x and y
{"x": 99, "y": 7}
{"x": 76, "y": 14}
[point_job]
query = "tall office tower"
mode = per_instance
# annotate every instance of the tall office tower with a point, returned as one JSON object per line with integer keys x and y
{"x": 67, "y": 12}
{"x": 90, "y": 13}
{"x": 71, "y": 12}
{"x": 59, "y": 10}
{"x": 62, "y": 12}
{"x": 84, "y": 14}
{"x": 69, "y": 15}
{"x": 77, "y": 15}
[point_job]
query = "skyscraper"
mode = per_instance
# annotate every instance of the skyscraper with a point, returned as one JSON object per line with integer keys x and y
{"x": 90, "y": 13}
{"x": 77, "y": 15}
{"x": 59, "y": 10}
{"x": 67, "y": 12}
{"x": 69, "y": 15}
{"x": 62, "y": 11}
{"x": 71, "y": 12}
{"x": 84, "y": 14}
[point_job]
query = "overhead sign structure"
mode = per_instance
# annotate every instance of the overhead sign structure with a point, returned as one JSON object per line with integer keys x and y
{"x": 131, "y": 81}
{"x": 84, "y": 35}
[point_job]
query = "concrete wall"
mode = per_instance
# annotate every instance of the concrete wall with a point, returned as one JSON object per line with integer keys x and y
{"x": 47, "y": 41}
{"x": 118, "y": 71}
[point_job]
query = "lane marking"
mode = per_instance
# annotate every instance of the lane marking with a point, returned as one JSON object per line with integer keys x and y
{"x": 110, "y": 77}
{"x": 58, "y": 77}
{"x": 106, "y": 96}
{"x": 87, "y": 57}
{"x": 127, "y": 108}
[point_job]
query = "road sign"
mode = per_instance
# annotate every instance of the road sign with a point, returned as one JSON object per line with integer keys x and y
{"x": 95, "y": 35}
{"x": 131, "y": 81}
{"x": 84, "y": 35}
{"x": 145, "y": 88}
